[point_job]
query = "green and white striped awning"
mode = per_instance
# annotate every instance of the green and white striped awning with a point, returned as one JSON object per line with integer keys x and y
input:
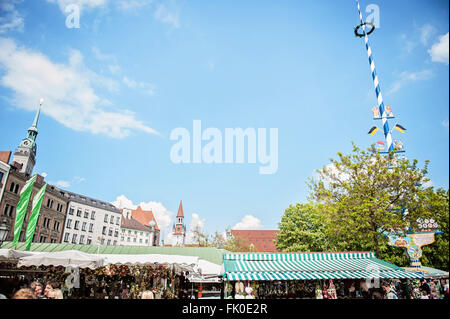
{"x": 304, "y": 266}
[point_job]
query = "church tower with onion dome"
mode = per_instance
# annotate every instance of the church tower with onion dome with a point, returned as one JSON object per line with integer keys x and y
{"x": 26, "y": 152}
{"x": 179, "y": 228}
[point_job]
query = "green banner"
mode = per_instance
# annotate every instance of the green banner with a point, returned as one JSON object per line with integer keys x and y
{"x": 21, "y": 209}
{"x": 36, "y": 208}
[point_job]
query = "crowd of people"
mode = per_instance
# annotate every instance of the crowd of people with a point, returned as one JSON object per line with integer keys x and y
{"x": 37, "y": 290}
{"x": 426, "y": 289}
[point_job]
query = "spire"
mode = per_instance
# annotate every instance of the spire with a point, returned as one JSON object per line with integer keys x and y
{"x": 33, "y": 127}
{"x": 180, "y": 210}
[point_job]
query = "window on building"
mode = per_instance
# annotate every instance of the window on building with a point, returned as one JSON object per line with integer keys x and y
{"x": 123, "y": 230}
{"x": 11, "y": 187}
{"x": 106, "y": 218}
{"x": 86, "y": 214}
{"x": 118, "y": 221}
{"x": 111, "y": 220}
{"x": 74, "y": 238}
{"x": 93, "y": 215}
{"x": 91, "y": 228}
{"x": 110, "y": 232}
{"x": 115, "y": 243}
{"x": 66, "y": 237}
{"x": 42, "y": 239}
{"x": 83, "y": 226}
{"x": 79, "y": 212}
{"x": 128, "y": 239}
{"x": 109, "y": 242}
{"x": 5, "y": 211}
{"x": 103, "y": 241}
{"x": 89, "y": 241}
{"x": 129, "y": 232}
{"x": 134, "y": 240}
{"x": 140, "y": 241}
{"x": 116, "y": 234}
{"x": 56, "y": 225}
{"x": 104, "y": 230}
{"x": 81, "y": 239}
{"x": 77, "y": 223}
{"x": 135, "y": 232}
{"x": 16, "y": 189}
{"x": 71, "y": 211}
{"x": 141, "y": 233}
{"x": 53, "y": 240}
{"x": 69, "y": 221}
{"x": 11, "y": 210}
{"x": 146, "y": 241}
{"x": 122, "y": 238}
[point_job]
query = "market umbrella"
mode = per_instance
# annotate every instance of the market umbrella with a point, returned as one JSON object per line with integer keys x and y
{"x": 66, "y": 258}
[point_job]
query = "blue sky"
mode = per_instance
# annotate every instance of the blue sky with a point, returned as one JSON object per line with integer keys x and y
{"x": 116, "y": 87}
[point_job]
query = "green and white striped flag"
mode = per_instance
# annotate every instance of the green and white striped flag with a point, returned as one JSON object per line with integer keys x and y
{"x": 36, "y": 208}
{"x": 22, "y": 206}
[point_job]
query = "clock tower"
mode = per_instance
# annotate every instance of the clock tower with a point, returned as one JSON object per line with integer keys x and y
{"x": 26, "y": 152}
{"x": 179, "y": 228}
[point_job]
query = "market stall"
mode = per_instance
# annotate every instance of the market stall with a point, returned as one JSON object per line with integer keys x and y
{"x": 117, "y": 276}
{"x": 308, "y": 275}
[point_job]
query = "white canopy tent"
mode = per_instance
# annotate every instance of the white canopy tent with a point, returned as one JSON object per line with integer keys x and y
{"x": 6, "y": 254}
{"x": 199, "y": 269}
{"x": 66, "y": 258}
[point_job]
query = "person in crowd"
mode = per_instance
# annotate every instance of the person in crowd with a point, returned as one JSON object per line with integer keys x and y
{"x": 389, "y": 291}
{"x": 37, "y": 287}
{"x": 50, "y": 286}
{"x": 147, "y": 295}
{"x": 424, "y": 295}
{"x": 25, "y": 293}
{"x": 446, "y": 290}
{"x": 424, "y": 286}
{"x": 55, "y": 294}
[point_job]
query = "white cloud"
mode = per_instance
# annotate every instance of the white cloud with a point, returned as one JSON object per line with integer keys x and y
{"x": 426, "y": 32}
{"x": 63, "y": 184}
{"x": 445, "y": 124}
{"x": 166, "y": 15}
{"x": 407, "y": 77}
{"x": 248, "y": 222}
{"x": 128, "y": 5}
{"x": 68, "y": 91}
{"x": 196, "y": 223}
{"x": 82, "y": 4}
{"x": 162, "y": 215}
{"x": 439, "y": 51}
{"x": 148, "y": 88}
{"x": 10, "y": 19}
{"x": 112, "y": 66}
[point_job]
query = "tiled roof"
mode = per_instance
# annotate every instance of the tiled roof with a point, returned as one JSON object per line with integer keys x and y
{"x": 262, "y": 240}
{"x": 134, "y": 224}
{"x": 180, "y": 210}
{"x": 144, "y": 216}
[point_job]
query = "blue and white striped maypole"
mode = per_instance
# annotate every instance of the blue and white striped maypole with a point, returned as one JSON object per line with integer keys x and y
{"x": 387, "y": 133}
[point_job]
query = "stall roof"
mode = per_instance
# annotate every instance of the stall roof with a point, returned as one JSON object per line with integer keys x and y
{"x": 430, "y": 272}
{"x": 302, "y": 266}
{"x": 211, "y": 254}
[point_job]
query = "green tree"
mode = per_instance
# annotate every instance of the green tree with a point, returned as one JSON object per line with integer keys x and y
{"x": 364, "y": 193}
{"x": 436, "y": 255}
{"x": 302, "y": 229}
